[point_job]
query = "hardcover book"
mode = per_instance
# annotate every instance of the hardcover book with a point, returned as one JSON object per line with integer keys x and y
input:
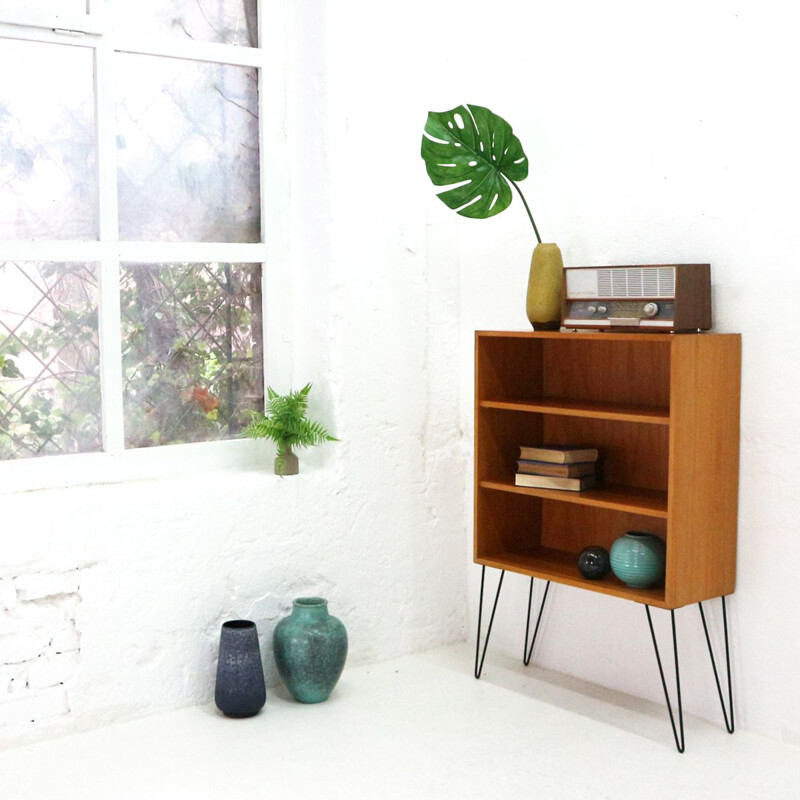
{"x": 549, "y": 482}
{"x": 556, "y": 470}
{"x": 558, "y": 454}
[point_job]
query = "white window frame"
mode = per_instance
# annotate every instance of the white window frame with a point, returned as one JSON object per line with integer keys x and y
{"x": 92, "y": 21}
{"x": 116, "y": 463}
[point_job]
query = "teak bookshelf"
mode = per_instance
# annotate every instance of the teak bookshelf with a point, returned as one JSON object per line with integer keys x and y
{"x": 663, "y": 410}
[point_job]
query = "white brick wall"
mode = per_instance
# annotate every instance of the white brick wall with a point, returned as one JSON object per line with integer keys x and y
{"x": 40, "y": 614}
{"x": 22, "y": 646}
{"x": 52, "y": 670}
{"x": 8, "y": 595}
{"x": 39, "y": 644}
{"x": 48, "y": 584}
{"x": 30, "y": 706}
{"x": 13, "y": 677}
{"x": 66, "y": 640}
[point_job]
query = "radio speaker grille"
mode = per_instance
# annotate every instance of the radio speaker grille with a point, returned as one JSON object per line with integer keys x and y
{"x": 636, "y": 282}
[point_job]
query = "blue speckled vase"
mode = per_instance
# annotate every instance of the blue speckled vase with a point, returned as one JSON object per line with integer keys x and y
{"x": 310, "y": 648}
{"x": 638, "y": 559}
{"x": 240, "y": 689}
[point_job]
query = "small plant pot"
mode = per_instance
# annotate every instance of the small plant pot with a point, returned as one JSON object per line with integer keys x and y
{"x": 288, "y": 465}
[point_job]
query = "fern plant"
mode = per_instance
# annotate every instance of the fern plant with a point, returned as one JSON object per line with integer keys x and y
{"x": 286, "y": 424}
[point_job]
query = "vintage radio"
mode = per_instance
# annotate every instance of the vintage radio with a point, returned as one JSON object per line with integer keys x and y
{"x": 650, "y": 297}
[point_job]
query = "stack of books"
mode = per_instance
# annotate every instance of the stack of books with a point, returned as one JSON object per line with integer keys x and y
{"x": 557, "y": 467}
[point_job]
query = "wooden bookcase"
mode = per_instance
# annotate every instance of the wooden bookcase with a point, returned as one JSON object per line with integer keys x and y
{"x": 664, "y": 412}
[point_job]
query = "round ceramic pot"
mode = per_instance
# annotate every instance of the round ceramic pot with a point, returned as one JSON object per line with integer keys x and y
{"x": 638, "y": 559}
{"x": 594, "y": 562}
{"x": 240, "y": 690}
{"x": 310, "y": 648}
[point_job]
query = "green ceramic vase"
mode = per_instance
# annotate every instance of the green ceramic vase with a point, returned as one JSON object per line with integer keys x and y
{"x": 638, "y": 559}
{"x": 545, "y": 288}
{"x": 310, "y": 648}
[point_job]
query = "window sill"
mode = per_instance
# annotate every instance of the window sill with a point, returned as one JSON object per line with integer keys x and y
{"x": 58, "y": 472}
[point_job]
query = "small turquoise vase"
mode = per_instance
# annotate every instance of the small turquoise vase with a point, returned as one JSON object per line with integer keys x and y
{"x": 310, "y": 648}
{"x": 638, "y": 559}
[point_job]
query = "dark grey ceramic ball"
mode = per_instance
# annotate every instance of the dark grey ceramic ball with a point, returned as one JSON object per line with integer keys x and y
{"x": 594, "y": 562}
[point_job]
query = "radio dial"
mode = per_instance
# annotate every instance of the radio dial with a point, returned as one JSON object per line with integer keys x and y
{"x": 592, "y": 309}
{"x": 602, "y": 309}
{"x": 650, "y": 309}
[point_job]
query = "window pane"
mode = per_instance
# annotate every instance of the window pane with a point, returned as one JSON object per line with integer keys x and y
{"x": 187, "y": 150}
{"x": 226, "y": 21}
{"x": 49, "y": 359}
{"x": 47, "y": 169}
{"x": 192, "y": 351}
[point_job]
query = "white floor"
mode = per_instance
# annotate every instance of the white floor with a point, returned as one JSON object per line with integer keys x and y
{"x": 417, "y": 727}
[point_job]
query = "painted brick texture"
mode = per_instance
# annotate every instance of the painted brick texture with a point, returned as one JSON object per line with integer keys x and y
{"x": 39, "y": 644}
{"x": 30, "y": 706}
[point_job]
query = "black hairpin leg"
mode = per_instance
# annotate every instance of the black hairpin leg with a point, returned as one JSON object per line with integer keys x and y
{"x": 479, "y": 664}
{"x": 527, "y": 653}
{"x": 728, "y": 720}
{"x": 680, "y": 742}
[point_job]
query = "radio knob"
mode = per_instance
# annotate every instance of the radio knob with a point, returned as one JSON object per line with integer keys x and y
{"x": 650, "y": 309}
{"x": 602, "y": 309}
{"x": 592, "y": 309}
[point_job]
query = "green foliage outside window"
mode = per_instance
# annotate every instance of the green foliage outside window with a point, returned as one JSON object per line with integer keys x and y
{"x": 191, "y": 358}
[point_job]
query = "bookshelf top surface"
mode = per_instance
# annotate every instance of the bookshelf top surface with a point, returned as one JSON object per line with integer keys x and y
{"x": 664, "y": 338}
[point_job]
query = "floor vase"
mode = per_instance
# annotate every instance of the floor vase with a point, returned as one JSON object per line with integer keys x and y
{"x": 240, "y": 690}
{"x": 310, "y": 648}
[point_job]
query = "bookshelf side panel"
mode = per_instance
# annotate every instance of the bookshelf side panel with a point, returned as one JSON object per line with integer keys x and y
{"x": 703, "y": 467}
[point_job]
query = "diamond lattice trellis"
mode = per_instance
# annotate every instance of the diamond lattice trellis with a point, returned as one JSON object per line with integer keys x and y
{"x": 192, "y": 351}
{"x": 49, "y": 359}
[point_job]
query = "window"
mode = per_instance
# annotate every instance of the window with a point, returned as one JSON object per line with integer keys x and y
{"x": 131, "y": 244}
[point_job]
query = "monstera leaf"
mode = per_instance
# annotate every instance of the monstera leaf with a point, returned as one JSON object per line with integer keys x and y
{"x": 477, "y": 151}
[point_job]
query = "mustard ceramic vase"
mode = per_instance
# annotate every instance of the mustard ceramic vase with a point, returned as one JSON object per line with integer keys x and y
{"x": 545, "y": 288}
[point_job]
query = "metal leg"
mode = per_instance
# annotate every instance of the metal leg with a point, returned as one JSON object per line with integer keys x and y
{"x": 527, "y": 653}
{"x": 680, "y": 742}
{"x": 729, "y": 725}
{"x": 479, "y": 665}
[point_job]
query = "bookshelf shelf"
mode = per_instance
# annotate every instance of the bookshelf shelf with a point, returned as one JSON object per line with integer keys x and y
{"x": 559, "y": 565}
{"x": 647, "y": 502}
{"x": 570, "y": 408}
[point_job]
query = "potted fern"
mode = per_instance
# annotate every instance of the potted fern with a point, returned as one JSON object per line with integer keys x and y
{"x": 286, "y": 424}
